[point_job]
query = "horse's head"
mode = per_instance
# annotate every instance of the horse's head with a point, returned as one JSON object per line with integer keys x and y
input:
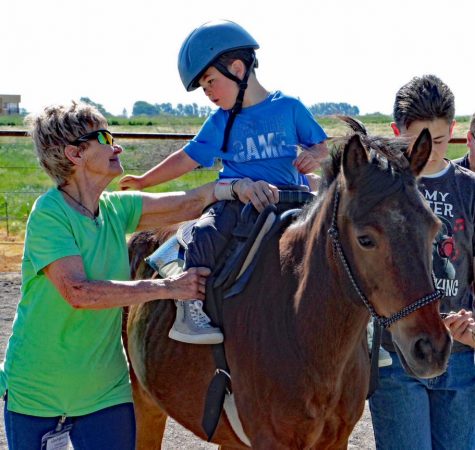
{"x": 386, "y": 231}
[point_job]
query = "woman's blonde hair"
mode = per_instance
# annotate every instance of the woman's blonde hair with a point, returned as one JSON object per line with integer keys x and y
{"x": 56, "y": 127}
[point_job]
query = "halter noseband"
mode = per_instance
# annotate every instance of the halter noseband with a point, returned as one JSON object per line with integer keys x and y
{"x": 384, "y": 322}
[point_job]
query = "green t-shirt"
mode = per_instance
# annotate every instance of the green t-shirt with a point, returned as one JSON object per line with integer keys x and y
{"x": 61, "y": 360}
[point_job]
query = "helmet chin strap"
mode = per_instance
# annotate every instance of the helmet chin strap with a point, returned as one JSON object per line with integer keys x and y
{"x": 236, "y": 109}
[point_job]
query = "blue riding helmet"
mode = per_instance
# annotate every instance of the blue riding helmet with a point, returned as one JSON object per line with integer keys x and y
{"x": 207, "y": 43}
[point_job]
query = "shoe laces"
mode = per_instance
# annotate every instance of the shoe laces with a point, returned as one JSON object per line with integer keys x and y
{"x": 198, "y": 316}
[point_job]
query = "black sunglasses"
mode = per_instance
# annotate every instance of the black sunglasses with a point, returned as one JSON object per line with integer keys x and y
{"x": 104, "y": 137}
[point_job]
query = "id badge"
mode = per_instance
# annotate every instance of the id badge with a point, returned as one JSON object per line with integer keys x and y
{"x": 56, "y": 440}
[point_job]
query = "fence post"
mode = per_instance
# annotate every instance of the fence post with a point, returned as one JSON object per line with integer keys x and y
{"x": 6, "y": 216}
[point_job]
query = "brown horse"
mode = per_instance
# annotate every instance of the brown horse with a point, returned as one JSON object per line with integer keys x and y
{"x": 295, "y": 338}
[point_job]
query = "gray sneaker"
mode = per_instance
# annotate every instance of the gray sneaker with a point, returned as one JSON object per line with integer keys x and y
{"x": 384, "y": 358}
{"x": 193, "y": 326}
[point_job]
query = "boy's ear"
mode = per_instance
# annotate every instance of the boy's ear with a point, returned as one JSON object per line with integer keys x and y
{"x": 451, "y": 129}
{"x": 469, "y": 138}
{"x": 396, "y": 130}
{"x": 238, "y": 68}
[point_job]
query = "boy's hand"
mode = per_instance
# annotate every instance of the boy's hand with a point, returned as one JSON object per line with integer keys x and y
{"x": 462, "y": 327}
{"x": 310, "y": 159}
{"x": 132, "y": 182}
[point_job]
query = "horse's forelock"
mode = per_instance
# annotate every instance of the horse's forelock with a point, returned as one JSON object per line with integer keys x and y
{"x": 388, "y": 171}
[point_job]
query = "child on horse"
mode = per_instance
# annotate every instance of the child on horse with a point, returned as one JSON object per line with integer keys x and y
{"x": 437, "y": 413}
{"x": 254, "y": 132}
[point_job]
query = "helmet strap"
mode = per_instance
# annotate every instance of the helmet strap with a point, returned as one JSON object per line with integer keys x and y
{"x": 236, "y": 109}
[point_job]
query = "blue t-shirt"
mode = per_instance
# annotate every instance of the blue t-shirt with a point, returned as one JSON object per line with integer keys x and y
{"x": 263, "y": 141}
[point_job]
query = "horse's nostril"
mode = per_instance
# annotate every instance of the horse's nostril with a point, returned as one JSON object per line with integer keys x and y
{"x": 423, "y": 349}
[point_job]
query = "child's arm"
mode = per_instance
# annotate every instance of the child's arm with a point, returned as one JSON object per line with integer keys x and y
{"x": 310, "y": 158}
{"x": 173, "y": 166}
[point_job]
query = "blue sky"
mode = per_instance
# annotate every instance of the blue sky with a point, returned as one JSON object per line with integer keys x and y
{"x": 117, "y": 52}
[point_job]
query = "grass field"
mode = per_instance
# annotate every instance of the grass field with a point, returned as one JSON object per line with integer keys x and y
{"x": 22, "y": 180}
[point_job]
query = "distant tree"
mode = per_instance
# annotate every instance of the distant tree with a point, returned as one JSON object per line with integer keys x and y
{"x": 204, "y": 111}
{"x": 327, "y": 109}
{"x": 166, "y": 108}
{"x": 101, "y": 109}
{"x": 142, "y": 108}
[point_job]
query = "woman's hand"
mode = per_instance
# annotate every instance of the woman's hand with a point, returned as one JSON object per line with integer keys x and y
{"x": 259, "y": 193}
{"x": 462, "y": 327}
{"x": 189, "y": 285}
{"x": 132, "y": 182}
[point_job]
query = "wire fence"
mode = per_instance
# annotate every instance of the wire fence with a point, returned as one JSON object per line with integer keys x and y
{"x": 16, "y": 204}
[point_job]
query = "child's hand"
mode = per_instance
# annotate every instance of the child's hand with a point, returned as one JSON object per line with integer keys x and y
{"x": 132, "y": 182}
{"x": 462, "y": 327}
{"x": 310, "y": 159}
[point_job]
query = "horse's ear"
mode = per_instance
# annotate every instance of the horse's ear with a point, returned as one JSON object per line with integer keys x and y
{"x": 420, "y": 152}
{"x": 354, "y": 159}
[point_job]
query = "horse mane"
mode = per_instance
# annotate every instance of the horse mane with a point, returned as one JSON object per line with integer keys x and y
{"x": 388, "y": 171}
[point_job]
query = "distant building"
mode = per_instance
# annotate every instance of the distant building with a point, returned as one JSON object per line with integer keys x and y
{"x": 9, "y": 104}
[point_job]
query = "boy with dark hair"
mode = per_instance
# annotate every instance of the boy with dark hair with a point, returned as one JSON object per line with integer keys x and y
{"x": 437, "y": 413}
{"x": 257, "y": 134}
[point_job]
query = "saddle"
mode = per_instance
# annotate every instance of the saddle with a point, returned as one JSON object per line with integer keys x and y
{"x": 233, "y": 271}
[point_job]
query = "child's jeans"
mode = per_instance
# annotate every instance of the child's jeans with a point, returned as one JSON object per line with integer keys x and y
{"x": 211, "y": 233}
{"x": 432, "y": 414}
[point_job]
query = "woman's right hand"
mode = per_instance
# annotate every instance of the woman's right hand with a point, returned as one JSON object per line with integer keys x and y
{"x": 132, "y": 182}
{"x": 189, "y": 285}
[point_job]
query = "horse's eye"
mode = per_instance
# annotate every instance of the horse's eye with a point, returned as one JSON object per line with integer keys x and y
{"x": 366, "y": 241}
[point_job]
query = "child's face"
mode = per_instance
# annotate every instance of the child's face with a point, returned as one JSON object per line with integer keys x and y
{"x": 219, "y": 89}
{"x": 441, "y": 133}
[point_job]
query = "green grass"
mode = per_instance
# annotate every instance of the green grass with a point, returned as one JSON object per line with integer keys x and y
{"x": 22, "y": 180}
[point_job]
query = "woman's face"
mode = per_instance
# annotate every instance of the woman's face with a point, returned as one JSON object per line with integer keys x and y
{"x": 101, "y": 155}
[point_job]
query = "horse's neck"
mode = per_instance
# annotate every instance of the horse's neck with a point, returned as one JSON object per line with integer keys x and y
{"x": 327, "y": 310}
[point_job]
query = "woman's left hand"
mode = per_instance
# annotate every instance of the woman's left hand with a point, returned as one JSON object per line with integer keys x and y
{"x": 462, "y": 327}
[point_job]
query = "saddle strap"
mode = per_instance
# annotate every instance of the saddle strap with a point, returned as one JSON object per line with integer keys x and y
{"x": 221, "y": 381}
{"x": 374, "y": 368}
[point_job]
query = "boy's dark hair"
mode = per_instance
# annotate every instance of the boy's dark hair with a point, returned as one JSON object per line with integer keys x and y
{"x": 423, "y": 98}
{"x": 246, "y": 55}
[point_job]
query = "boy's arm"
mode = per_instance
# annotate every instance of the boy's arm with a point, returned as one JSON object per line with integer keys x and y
{"x": 311, "y": 158}
{"x": 173, "y": 166}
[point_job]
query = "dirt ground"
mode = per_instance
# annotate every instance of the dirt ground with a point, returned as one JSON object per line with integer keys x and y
{"x": 176, "y": 437}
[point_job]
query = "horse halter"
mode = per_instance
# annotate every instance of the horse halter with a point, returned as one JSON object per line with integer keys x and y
{"x": 384, "y": 322}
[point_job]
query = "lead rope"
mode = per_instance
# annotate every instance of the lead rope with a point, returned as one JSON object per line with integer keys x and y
{"x": 385, "y": 322}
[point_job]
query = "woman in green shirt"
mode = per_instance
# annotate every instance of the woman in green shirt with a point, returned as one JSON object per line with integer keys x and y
{"x": 65, "y": 373}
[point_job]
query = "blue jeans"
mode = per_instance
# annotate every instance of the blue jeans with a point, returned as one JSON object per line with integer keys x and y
{"x": 434, "y": 414}
{"x": 106, "y": 429}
